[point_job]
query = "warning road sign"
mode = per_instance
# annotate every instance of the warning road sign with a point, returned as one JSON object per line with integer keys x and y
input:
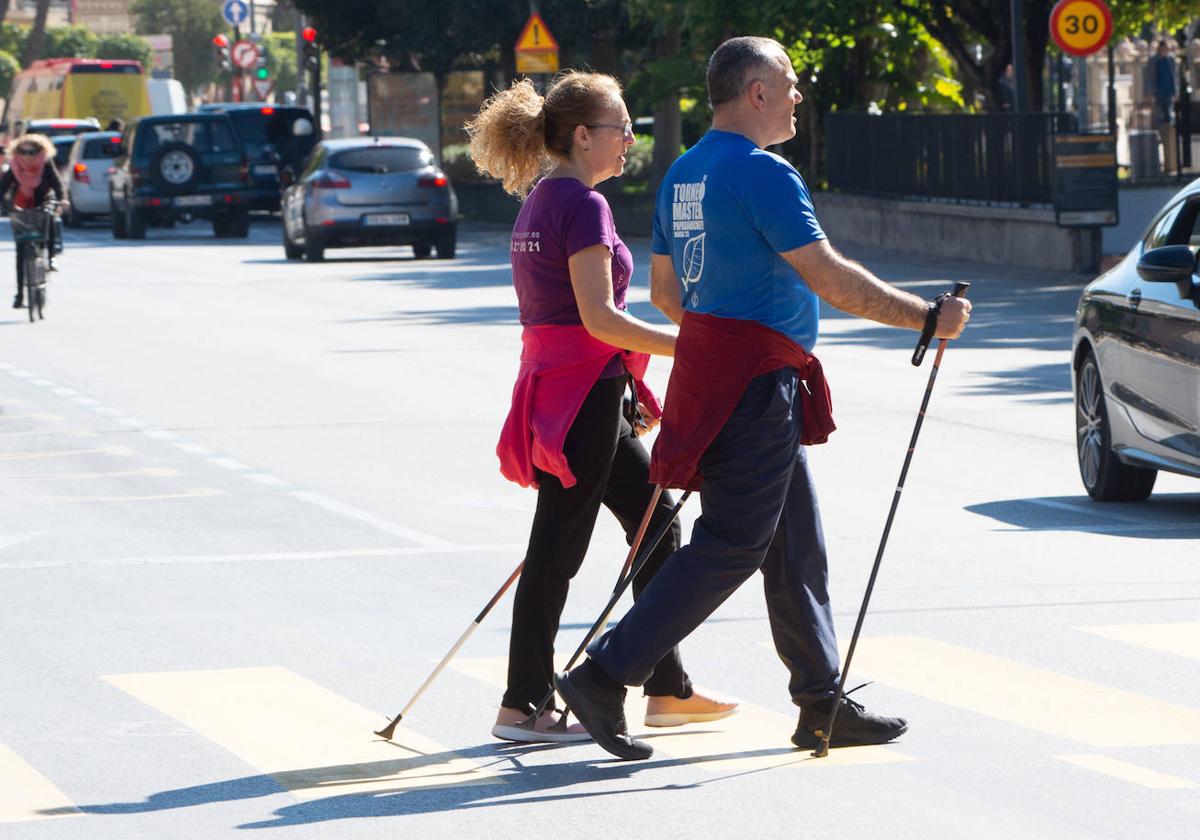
{"x": 1081, "y": 27}
{"x": 244, "y": 54}
{"x": 537, "y": 51}
{"x": 262, "y": 88}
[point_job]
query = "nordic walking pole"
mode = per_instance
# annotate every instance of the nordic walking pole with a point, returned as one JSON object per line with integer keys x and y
{"x": 825, "y": 734}
{"x": 619, "y": 590}
{"x": 390, "y": 729}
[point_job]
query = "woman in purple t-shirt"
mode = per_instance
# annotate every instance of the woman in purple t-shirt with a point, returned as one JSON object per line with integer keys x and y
{"x": 571, "y": 268}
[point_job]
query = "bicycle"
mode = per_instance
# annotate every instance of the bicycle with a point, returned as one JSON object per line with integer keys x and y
{"x": 31, "y": 232}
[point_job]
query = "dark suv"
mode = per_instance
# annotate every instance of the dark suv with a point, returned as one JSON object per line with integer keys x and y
{"x": 180, "y": 166}
{"x": 277, "y": 138}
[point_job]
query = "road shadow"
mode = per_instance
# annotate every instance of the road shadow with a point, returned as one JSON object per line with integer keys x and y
{"x": 515, "y": 782}
{"x": 1171, "y": 516}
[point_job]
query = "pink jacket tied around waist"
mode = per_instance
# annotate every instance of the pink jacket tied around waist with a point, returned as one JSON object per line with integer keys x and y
{"x": 559, "y": 366}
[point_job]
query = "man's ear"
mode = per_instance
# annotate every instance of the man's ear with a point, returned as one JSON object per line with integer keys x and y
{"x": 756, "y": 93}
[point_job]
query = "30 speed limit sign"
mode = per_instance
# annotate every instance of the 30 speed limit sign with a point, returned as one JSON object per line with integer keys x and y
{"x": 1081, "y": 27}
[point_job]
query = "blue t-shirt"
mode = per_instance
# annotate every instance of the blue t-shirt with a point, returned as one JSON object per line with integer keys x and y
{"x": 726, "y": 211}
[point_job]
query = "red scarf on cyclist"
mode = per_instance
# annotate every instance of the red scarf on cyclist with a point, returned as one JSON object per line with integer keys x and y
{"x": 28, "y": 170}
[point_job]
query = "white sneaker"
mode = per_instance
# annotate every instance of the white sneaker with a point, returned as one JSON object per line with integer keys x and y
{"x": 509, "y": 727}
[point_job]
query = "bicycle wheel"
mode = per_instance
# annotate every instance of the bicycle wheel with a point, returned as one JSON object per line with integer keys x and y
{"x": 33, "y": 283}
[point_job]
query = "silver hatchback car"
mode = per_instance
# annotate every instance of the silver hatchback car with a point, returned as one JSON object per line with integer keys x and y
{"x": 86, "y": 175}
{"x": 369, "y": 191}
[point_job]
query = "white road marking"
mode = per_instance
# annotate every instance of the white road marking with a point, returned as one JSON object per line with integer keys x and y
{"x": 1105, "y": 513}
{"x": 24, "y": 374}
{"x": 266, "y": 557}
{"x": 200, "y": 493}
{"x": 26, "y": 795}
{"x": 228, "y": 464}
{"x": 267, "y": 479}
{"x": 160, "y": 434}
{"x": 32, "y": 415}
{"x": 106, "y": 411}
{"x": 44, "y": 383}
{"x": 155, "y": 472}
{"x": 85, "y": 401}
{"x": 1181, "y": 638}
{"x": 193, "y": 448}
{"x": 7, "y": 540}
{"x": 313, "y": 742}
{"x": 65, "y": 453}
{"x": 132, "y": 421}
{"x": 65, "y": 392}
{"x": 77, "y": 433}
{"x": 1125, "y": 771}
{"x": 351, "y": 512}
{"x": 1024, "y": 695}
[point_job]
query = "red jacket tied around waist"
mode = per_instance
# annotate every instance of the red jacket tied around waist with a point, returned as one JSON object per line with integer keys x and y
{"x": 715, "y": 358}
{"x": 559, "y": 366}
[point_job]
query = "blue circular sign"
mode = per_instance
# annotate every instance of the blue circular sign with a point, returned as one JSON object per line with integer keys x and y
{"x": 235, "y": 11}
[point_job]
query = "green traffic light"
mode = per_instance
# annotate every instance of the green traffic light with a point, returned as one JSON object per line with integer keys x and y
{"x": 262, "y": 73}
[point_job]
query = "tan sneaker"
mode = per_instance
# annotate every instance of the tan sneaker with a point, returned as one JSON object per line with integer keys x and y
{"x": 508, "y": 728}
{"x": 699, "y": 708}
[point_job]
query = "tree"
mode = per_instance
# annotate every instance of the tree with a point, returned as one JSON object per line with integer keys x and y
{"x": 281, "y": 59}
{"x": 69, "y": 42}
{"x": 37, "y": 34}
{"x": 12, "y": 38}
{"x": 124, "y": 45}
{"x": 192, "y": 25}
{"x": 9, "y": 68}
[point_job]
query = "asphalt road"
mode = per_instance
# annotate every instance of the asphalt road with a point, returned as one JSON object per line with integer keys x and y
{"x": 247, "y": 505}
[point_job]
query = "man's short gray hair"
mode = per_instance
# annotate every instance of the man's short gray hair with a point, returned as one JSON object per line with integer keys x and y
{"x": 734, "y": 63}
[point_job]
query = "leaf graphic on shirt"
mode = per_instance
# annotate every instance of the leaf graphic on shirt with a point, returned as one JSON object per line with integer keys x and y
{"x": 693, "y": 260}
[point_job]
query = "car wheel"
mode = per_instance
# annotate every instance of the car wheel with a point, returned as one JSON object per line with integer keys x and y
{"x": 422, "y": 250}
{"x": 447, "y": 244}
{"x": 239, "y": 225}
{"x": 220, "y": 226}
{"x": 314, "y": 249}
{"x": 175, "y": 167}
{"x": 135, "y": 222}
{"x": 1105, "y": 477}
{"x": 118, "y": 222}
{"x": 291, "y": 250}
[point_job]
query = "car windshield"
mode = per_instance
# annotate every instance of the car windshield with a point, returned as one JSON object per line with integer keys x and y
{"x": 102, "y": 147}
{"x": 62, "y": 151}
{"x": 266, "y": 130}
{"x": 382, "y": 159}
{"x": 60, "y": 130}
{"x": 204, "y": 136}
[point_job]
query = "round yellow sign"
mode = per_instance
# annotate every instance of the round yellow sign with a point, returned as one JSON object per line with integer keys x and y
{"x": 1081, "y": 27}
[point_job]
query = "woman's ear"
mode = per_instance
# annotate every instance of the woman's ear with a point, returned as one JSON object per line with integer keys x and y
{"x": 582, "y": 139}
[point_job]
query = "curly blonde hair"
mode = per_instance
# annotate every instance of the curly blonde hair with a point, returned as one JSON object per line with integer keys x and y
{"x": 40, "y": 140}
{"x": 518, "y": 133}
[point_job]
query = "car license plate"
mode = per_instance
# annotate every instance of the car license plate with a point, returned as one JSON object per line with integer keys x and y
{"x": 386, "y": 219}
{"x": 265, "y": 169}
{"x": 193, "y": 200}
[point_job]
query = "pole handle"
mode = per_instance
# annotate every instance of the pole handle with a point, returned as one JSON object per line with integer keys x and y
{"x": 918, "y": 356}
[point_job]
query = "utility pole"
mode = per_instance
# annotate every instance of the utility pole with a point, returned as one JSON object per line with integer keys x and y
{"x": 1020, "y": 72}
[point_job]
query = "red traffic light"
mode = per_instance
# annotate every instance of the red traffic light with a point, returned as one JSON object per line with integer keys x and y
{"x": 220, "y": 41}
{"x": 308, "y": 34}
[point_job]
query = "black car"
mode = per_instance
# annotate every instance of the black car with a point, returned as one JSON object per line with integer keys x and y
{"x": 180, "y": 166}
{"x": 277, "y": 138}
{"x": 1137, "y": 360}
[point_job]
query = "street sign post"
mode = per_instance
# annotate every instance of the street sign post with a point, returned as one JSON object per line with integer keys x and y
{"x": 262, "y": 88}
{"x": 244, "y": 54}
{"x": 537, "y": 51}
{"x": 235, "y": 11}
{"x": 1081, "y": 27}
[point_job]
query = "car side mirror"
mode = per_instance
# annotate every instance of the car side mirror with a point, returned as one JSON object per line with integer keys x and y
{"x": 1168, "y": 264}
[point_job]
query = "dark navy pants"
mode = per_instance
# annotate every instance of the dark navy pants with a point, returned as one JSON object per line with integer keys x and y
{"x": 759, "y": 512}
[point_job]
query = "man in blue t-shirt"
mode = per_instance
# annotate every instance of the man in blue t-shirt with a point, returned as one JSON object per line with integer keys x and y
{"x": 736, "y": 238}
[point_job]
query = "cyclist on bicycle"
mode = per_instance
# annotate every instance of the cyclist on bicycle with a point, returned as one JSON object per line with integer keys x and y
{"x": 26, "y": 184}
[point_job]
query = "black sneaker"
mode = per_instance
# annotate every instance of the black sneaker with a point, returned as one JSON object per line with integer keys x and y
{"x": 601, "y": 710}
{"x": 854, "y": 726}
{"x": 18, "y": 302}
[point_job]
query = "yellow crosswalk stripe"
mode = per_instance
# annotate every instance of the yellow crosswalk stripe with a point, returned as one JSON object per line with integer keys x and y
{"x": 1127, "y": 772}
{"x": 754, "y": 739}
{"x": 1035, "y": 698}
{"x": 198, "y": 493}
{"x": 64, "y": 453}
{"x": 1181, "y": 638}
{"x": 313, "y": 742}
{"x": 26, "y": 795}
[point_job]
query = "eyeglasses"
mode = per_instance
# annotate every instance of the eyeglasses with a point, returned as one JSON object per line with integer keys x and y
{"x": 29, "y": 151}
{"x": 624, "y": 128}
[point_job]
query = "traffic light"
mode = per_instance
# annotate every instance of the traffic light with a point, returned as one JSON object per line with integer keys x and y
{"x": 260, "y": 66}
{"x": 312, "y": 50}
{"x": 221, "y": 45}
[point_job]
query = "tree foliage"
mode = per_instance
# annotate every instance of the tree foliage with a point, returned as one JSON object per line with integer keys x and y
{"x": 70, "y": 42}
{"x": 125, "y": 45}
{"x": 192, "y": 25}
{"x": 9, "y": 67}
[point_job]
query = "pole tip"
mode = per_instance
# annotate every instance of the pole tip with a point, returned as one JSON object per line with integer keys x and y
{"x": 388, "y": 731}
{"x": 822, "y": 749}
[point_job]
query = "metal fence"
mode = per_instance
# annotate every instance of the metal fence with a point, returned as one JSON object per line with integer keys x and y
{"x": 1001, "y": 159}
